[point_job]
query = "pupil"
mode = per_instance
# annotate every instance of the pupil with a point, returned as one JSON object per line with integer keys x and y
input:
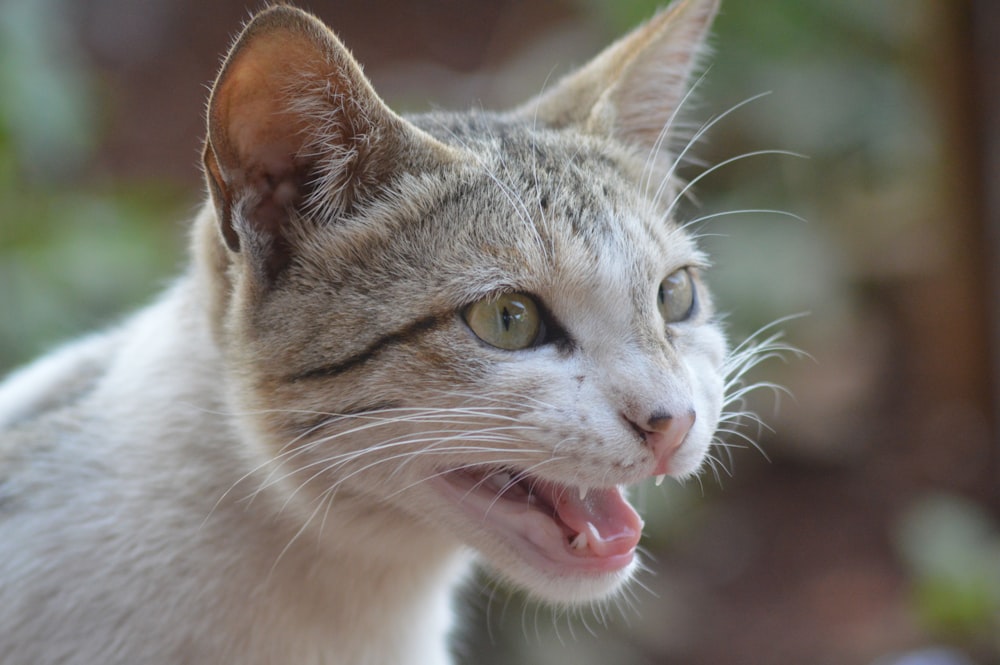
{"x": 506, "y": 318}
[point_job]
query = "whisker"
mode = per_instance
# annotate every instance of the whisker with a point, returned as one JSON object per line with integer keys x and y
{"x": 521, "y": 475}
{"x": 472, "y": 465}
{"x": 765, "y": 344}
{"x": 698, "y": 178}
{"x": 329, "y": 464}
{"x": 649, "y": 167}
{"x": 341, "y": 457}
{"x": 747, "y": 211}
{"x": 695, "y": 138}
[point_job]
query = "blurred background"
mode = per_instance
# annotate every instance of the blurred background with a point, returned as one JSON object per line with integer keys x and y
{"x": 870, "y": 533}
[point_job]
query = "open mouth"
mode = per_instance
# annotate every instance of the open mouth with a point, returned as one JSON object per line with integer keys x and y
{"x": 563, "y": 529}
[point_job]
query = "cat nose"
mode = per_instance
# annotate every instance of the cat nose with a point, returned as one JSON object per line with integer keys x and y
{"x": 663, "y": 434}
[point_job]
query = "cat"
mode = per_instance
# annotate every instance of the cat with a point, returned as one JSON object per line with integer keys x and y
{"x": 403, "y": 345}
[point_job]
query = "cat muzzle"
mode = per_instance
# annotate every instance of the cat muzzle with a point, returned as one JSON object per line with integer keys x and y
{"x": 559, "y": 528}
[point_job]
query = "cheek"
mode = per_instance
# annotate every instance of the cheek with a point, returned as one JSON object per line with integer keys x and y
{"x": 711, "y": 394}
{"x": 707, "y": 388}
{"x": 705, "y": 361}
{"x": 567, "y": 406}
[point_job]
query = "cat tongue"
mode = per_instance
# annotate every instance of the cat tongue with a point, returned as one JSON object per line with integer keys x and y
{"x": 611, "y": 525}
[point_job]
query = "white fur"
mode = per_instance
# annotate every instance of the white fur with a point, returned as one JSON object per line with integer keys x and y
{"x": 126, "y": 558}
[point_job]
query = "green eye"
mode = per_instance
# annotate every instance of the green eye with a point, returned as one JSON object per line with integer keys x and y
{"x": 510, "y": 321}
{"x": 676, "y": 297}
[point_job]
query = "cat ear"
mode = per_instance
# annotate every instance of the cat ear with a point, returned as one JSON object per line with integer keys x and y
{"x": 295, "y": 127}
{"x": 633, "y": 89}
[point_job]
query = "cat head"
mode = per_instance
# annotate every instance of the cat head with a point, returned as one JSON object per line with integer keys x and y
{"x": 483, "y": 326}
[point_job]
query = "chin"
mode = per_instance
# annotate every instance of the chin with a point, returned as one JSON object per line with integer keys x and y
{"x": 571, "y": 589}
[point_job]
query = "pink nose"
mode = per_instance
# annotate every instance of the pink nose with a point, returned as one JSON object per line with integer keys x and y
{"x": 663, "y": 435}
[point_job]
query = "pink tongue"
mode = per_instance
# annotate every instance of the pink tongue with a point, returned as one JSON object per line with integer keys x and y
{"x": 611, "y": 524}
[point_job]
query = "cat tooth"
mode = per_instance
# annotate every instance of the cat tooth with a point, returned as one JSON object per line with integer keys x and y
{"x": 501, "y": 480}
{"x": 580, "y": 541}
{"x": 659, "y": 479}
{"x": 583, "y": 493}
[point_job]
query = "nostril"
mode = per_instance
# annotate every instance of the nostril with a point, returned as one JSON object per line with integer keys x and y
{"x": 663, "y": 434}
{"x": 659, "y": 422}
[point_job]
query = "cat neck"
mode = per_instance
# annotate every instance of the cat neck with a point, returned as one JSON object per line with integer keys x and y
{"x": 363, "y": 600}
{"x": 359, "y": 580}
{"x": 367, "y": 587}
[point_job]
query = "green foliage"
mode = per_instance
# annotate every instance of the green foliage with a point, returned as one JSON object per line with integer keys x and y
{"x": 47, "y": 109}
{"x": 71, "y": 260}
{"x": 952, "y": 549}
{"x": 622, "y": 15}
{"x": 72, "y": 253}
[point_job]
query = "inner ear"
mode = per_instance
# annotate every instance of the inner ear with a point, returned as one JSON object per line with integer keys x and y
{"x": 254, "y": 149}
{"x": 266, "y": 174}
{"x": 293, "y": 126}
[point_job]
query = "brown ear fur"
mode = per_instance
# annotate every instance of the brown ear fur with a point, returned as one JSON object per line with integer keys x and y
{"x": 293, "y": 124}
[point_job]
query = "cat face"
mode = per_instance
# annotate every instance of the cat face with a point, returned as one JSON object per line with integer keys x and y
{"x": 487, "y": 324}
{"x": 615, "y": 385}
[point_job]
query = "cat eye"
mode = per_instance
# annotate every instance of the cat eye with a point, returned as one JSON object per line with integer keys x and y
{"x": 511, "y": 321}
{"x": 676, "y": 296}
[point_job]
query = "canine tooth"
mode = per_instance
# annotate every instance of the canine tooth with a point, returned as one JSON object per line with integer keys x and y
{"x": 659, "y": 479}
{"x": 583, "y": 493}
{"x": 501, "y": 479}
{"x": 580, "y": 541}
